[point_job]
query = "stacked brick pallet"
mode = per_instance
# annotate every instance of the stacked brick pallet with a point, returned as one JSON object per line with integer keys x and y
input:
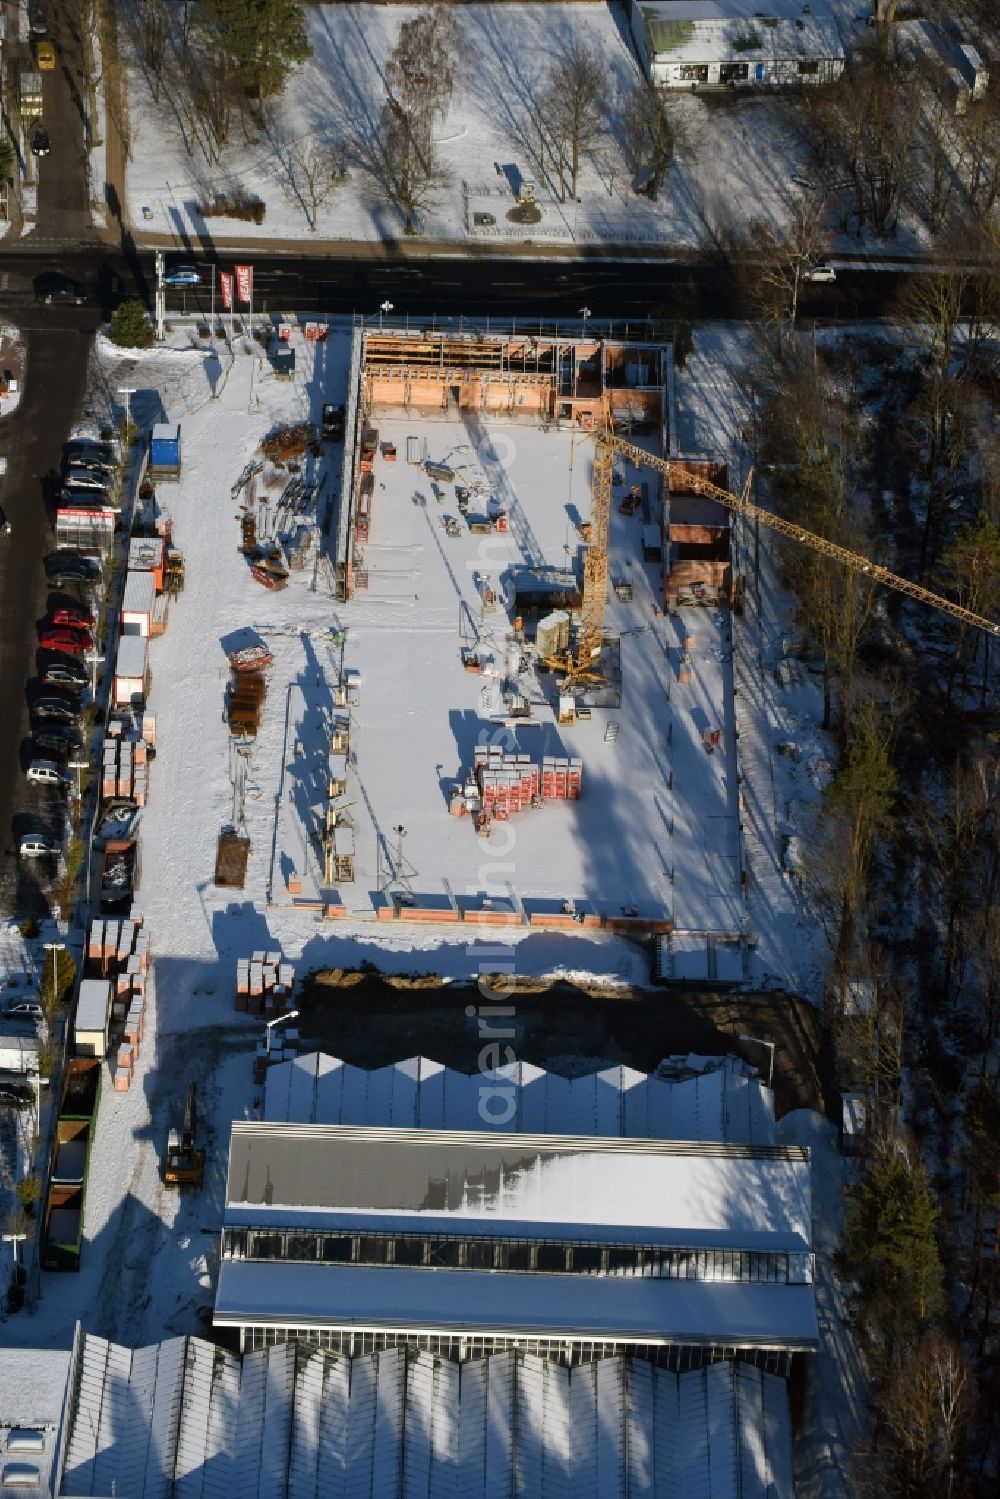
{"x": 120, "y": 952}
{"x": 125, "y": 770}
{"x": 511, "y": 783}
{"x": 264, "y": 985}
{"x": 562, "y": 778}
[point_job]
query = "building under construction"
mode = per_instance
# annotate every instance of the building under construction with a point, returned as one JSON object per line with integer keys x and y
{"x": 506, "y": 539}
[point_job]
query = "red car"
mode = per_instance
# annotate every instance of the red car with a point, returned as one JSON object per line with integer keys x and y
{"x": 73, "y": 642}
{"x": 73, "y": 617}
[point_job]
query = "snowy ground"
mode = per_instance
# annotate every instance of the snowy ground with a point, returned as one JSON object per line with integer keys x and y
{"x": 738, "y": 159}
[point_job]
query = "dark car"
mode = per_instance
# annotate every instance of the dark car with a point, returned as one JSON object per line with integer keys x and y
{"x": 39, "y": 141}
{"x": 70, "y": 567}
{"x": 53, "y": 286}
{"x": 333, "y": 423}
{"x": 73, "y": 615}
{"x": 93, "y": 499}
{"x": 65, "y": 673}
{"x": 58, "y": 709}
{"x": 4, "y": 522}
{"x": 76, "y": 476}
{"x": 73, "y": 642}
{"x": 57, "y": 738}
{"x": 93, "y": 456}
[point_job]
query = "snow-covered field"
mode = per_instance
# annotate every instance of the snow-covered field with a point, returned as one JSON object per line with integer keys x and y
{"x": 738, "y": 157}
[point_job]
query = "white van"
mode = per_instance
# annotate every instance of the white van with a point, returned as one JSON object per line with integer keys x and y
{"x": 46, "y": 773}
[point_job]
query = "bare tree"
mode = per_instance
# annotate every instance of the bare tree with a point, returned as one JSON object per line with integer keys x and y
{"x": 780, "y": 260}
{"x": 650, "y": 133}
{"x": 421, "y": 74}
{"x": 312, "y": 171}
{"x": 574, "y": 109}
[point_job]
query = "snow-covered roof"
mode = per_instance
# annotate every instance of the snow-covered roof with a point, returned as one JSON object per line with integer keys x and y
{"x": 132, "y": 656}
{"x": 140, "y": 593}
{"x": 405, "y": 1180}
{"x": 751, "y": 31}
{"x": 497, "y": 1303}
{"x": 93, "y": 1005}
{"x": 185, "y": 1417}
{"x": 727, "y": 1101}
{"x": 33, "y": 1404}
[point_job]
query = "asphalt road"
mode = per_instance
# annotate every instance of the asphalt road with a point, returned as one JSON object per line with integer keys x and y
{"x": 475, "y": 288}
{"x": 31, "y": 439}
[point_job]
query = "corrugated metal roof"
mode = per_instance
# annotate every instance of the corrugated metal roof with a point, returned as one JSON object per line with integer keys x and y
{"x": 296, "y": 1423}
{"x": 727, "y": 1102}
{"x": 93, "y": 1005}
{"x": 140, "y": 593}
{"x": 332, "y": 1176}
{"x": 132, "y": 656}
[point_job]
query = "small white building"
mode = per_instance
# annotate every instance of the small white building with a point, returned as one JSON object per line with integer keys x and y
{"x": 736, "y": 43}
{"x": 130, "y": 671}
{"x": 138, "y": 603}
{"x": 93, "y": 1013}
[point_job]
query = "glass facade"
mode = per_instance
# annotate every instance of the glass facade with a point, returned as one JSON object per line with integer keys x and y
{"x": 678, "y": 1357}
{"x": 638, "y": 1261}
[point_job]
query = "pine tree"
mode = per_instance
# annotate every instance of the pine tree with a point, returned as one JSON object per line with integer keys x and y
{"x": 890, "y": 1249}
{"x": 261, "y": 39}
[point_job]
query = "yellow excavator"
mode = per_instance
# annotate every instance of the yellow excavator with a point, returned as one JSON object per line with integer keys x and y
{"x": 184, "y": 1163}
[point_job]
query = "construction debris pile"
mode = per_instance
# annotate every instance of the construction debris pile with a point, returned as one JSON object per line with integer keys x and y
{"x": 119, "y": 951}
{"x": 264, "y": 985}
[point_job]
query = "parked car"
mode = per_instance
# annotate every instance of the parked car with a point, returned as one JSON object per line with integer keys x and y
{"x": 53, "y": 286}
{"x": 73, "y": 642}
{"x": 333, "y": 423}
{"x": 45, "y": 55}
{"x": 71, "y": 567}
{"x": 64, "y": 672}
{"x": 181, "y": 275}
{"x": 823, "y": 271}
{"x": 46, "y": 773}
{"x": 39, "y": 846}
{"x": 82, "y": 453}
{"x": 93, "y": 499}
{"x": 78, "y": 477}
{"x": 56, "y": 709}
{"x": 57, "y": 738}
{"x": 39, "y": 141}
{"x": 28, "y": 1008}
{"x": 4, "y": 522}
{"x": 73, "y": 615}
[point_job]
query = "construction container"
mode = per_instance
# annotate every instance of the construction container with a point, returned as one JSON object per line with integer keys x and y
{"x": 93, "y": 1015}
{"x": 552, "y": 633}
{"x": 138, "y": 603}
{"x": 145, "y": 554}
{"x": 165, "y": 449}
{"x": 130, "y": 671}
{"x": 413, "y": 451}
{"x": 283, "y": 363}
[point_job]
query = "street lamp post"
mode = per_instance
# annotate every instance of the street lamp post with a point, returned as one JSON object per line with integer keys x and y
{"x": 53, "y": 948}
{"x": 128, "y": 391}
{"x": 13, "y": 1240}
{"x": 585, "y": 314}
{"x": 383, "y": 312}
{"x": 759, "y": 1041}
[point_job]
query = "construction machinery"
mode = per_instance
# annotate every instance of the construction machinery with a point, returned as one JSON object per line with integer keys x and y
{"x": 583, "y": 667}
{"x": 184, "y": 1163}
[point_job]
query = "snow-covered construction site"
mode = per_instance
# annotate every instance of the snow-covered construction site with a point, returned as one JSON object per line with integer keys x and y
{"x": 536, "y": 720}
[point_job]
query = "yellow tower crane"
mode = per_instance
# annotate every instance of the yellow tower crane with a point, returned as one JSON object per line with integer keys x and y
{"x": 585, "y": 665}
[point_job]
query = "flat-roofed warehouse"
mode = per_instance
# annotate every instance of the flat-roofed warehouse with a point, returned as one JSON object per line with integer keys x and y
{"x": 468, "y": 1243}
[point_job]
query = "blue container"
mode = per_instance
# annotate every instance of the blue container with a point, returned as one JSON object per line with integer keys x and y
{"x": 165, "y": 446}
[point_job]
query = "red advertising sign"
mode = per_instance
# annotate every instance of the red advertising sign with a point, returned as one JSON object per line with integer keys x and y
{"x": 226, "y": 287}
{"x": 244, "y": 283}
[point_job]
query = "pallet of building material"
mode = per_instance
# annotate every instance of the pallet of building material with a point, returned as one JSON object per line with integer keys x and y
{"x": 265, "y": 984}
{"x": 231, "y": 859}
